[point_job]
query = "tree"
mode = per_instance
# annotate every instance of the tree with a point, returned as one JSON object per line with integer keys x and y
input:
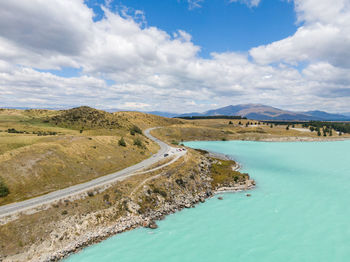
{"x": 330, "y": 132}
{"x": 287, "y": 128}
{"x": 293, "y": 126}
{"x": 318, "y": 132}
{"x": 230, "y": 123}
{"x": 240, "y": 123}
{"x": 312, "y": 129}
{"x": 271, "y": 125}
{"x": 121, "y": 142}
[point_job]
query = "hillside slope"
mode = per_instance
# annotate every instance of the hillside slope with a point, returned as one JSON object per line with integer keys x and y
{"x": 45, "y": 150}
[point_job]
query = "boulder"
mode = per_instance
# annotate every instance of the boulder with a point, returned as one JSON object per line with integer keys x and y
{"x": 152, "y": 225}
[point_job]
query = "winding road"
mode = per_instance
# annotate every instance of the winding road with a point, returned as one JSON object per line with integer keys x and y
{"x": 92, "y": 184}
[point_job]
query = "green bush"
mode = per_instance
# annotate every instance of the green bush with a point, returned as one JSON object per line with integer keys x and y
{"x": 4, "y": 190}
{"x": 138, "y": 142}
{"x": 136, "y": 129}
{"x": 121, "y": 142}
{"x": 175, "y": 142}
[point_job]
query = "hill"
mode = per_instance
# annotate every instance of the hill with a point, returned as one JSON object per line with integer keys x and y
{"x": 45, "y": 150}
{"x": 263, "y": 112}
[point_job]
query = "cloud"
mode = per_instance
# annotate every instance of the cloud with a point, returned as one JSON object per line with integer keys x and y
{"x": 154, "y": 70}
{"x": 250, "y": 3}
{"x": 325, "y": 36}
{"x": 134, "y": 105}
{"x": 192, "y": 4}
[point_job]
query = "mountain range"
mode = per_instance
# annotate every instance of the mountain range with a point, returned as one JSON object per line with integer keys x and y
{"x": 264, "y": 112}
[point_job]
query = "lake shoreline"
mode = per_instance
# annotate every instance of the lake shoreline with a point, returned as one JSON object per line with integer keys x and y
{"x": 189, "y": 198}
{"x": 133, "y": 222}
{"x": 278, "y": 139}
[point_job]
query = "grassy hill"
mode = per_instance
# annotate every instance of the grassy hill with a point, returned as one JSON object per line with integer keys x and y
{"x": 45, "y": 150}
{"x": 244, "y": 129}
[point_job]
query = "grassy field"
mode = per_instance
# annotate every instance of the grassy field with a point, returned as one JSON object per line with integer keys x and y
{"x": 221, "y": 129}
{"x": 48, "y": 150}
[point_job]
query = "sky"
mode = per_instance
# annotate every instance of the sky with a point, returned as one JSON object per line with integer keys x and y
{"x": 175, "y": 55}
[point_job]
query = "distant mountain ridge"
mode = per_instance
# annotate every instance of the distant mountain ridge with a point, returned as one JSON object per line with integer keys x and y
{"x": 251, "y": 111}
{"x": 263, "y": 112}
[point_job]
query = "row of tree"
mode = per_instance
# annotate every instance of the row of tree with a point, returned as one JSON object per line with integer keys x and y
{"x": 327, "y": 127}
{"x": 39, "y": 133}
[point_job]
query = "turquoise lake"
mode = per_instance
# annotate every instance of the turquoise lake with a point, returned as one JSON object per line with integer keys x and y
{"x": 298, "y": 212}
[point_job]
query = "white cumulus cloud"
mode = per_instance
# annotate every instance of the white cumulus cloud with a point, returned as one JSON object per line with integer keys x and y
{"x": 148, "y": 68}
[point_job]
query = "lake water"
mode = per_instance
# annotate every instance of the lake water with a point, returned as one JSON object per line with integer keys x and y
{"x": 298, "y": 212}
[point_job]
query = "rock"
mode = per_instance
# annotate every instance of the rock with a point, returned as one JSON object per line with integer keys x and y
{"x": 248, "y": 195}
{"x": 202, "y": 200}
{"x": 133, "y": 207}
{"x": 220, "y": 198}
{"x": 187, "y": 205}
{"x": 152, "y": 225}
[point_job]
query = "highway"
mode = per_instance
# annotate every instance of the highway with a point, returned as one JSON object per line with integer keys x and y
{"x": 92, "y": 184}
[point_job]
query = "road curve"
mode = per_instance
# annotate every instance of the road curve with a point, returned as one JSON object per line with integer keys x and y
{"x": 73, "y": 190}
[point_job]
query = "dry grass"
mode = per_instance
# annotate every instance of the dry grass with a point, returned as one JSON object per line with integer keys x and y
{"x": 223, "y": 174}
{"x": 147, "y": 120}
{"x": 58, "y": 162}
{"x": 33, "y": 165}
{"x": 220, "y": 129}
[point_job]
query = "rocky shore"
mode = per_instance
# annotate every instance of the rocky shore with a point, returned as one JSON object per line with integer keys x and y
{"x": 76, "y": 232}
{"x": 302, "y": 139}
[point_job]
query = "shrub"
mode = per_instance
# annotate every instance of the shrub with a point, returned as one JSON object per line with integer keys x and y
{"x": 174, "y": 142}
{"x": 138, "y": 142}
{"x": 4, "y": 190}
{"x": 159, "y": 191}
{"x": 106, "y": 197}
{"x": 136, "y": 129}
{"x": 121, "y": 142}
{"x": 132, "y": 132}
{"x": 230, "y": 123}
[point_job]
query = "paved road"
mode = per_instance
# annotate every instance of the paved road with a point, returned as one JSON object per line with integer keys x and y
{"x": 101, "y": 181}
